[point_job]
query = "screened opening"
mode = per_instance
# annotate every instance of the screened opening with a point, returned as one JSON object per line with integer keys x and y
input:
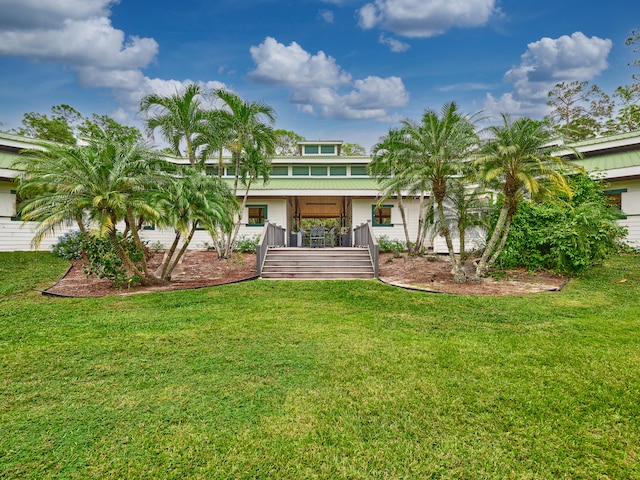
{"x": 257, "y": 215}
{"x": 381, "y": 216}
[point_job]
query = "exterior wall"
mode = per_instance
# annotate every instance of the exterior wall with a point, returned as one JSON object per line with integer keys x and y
{"x": 16, "y": 235}
{"x": 631, "y": 208}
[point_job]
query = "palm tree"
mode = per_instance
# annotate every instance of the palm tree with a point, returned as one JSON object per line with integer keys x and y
{"x": 106, "y": 180}
{"x": 179, "y": 117}
{"x": 387, "y": 160}
{"x": 437, "y": 147}
{"x": 250, "y": 128}
{"x": 186, "y": 202}
{"x": 517, "y": 159}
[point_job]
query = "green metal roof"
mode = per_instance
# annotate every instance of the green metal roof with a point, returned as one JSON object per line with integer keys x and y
{"x": 7, "y": 159}
{"x": 348, "y": 183}
{"x": 610, "y": 161}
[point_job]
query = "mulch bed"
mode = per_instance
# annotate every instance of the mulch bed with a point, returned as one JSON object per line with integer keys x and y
{"x": 203, "y": 268}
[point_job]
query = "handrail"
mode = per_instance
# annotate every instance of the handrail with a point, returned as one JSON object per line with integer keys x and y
{"x": 272, "y": 236}
{"x": 363, "y": 236}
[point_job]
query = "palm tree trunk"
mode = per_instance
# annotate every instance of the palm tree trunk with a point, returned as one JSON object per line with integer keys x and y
{"x": 138, "y": 244}
{"x": 459, "y": 275}
{"x": 170, "y": 253}
{"x": 236, "y": 228}
{"x": 403, "y": 214}
{"x": 182, "y": 251}
{"x": 483, "y": 264}
{"x": 421, "y": 225}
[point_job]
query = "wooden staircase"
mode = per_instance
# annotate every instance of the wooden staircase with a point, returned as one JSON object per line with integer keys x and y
{"x": 317, "y": 263}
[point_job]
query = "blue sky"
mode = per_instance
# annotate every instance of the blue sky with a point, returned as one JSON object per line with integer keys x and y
{"x": 332, "y": 69}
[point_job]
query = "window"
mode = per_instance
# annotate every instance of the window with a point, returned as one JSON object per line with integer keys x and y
{"x": 279, "y": 170}
{"x": 318, "y": 170}
{"x": 615, "y": 197}
{"x": 381, "y": 215}
{"x": 328, "y": 149}
{"x": 300, "y": 170}
{"x": 257, "y": 215}
{"x": 311, "y": 149}
{"x": 338, "y": 170}
{"x": 16, "y": 217}
{"x": 358, "y": 170}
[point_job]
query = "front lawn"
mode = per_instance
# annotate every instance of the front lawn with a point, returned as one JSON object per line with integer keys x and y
{"x": 328, "y": 379}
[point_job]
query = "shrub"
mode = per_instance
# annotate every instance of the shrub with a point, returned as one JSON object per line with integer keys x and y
{"x": 390, "y": 245}
{"x": 68, "y": 246}
{"x": 563, "y": 237}
{"x": 104, "y": 262}
{"x": 247, "y": 243}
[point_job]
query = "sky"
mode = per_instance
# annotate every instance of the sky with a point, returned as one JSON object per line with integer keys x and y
{"x": 332, "y": 69}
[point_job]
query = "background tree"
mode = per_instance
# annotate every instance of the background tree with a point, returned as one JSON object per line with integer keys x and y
{"x": 517, "y": 160}
{"x": 286, "y": 142}
{"x": 179, "y": 117}
{"x": 579, "y": 111}
{"x": 60, "y": 127}
{"x": 631, "y": 41}
{"x": 353, "y": 150}
{"x": 103, "y": 126}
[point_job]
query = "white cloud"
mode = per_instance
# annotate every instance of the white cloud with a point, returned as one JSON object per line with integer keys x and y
{"x": 425, "y": 18}
{"x": 318, "y": 85}
{"x": 394, "y": 45}
{"x": 326, "y": 15}
{"x": 547, "y": 62}
{"x": 32, "y": 14}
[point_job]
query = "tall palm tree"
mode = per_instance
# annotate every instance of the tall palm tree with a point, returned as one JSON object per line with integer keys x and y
{"x": 437, "y": 146}
{"x": 249, "y": 126}
{"x": 179, "y": 117}
{"x": 518, "y": 160}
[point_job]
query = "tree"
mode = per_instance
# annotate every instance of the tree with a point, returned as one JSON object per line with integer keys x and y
{"x": 517, "y": 160}
{"x": 579, "y": 111}
{"x": 628, "y": 115}
{"x": 60, "y": 127}
{"x": 179, "y": 117}
{"x": 103, "y": 126}
{"x": 250, "y": 128}
{"x": 189, "y": 200}
{"x": 387, "y": 159}
{"x": 286, "y": 143}
{"x": 353, "y": 150}
{"x": 107, "y": 180}
{"x": 632, "y": 40}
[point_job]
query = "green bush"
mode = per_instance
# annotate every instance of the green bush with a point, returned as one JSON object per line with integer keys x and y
{"x": 68, "y": 246}
{"x": 104, "y": 262}
{"x": 390, "y": 245}
{"x": 565, "y": 236}
{"x": 247, "y": 243}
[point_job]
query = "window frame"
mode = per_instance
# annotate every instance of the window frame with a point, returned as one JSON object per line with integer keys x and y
{"x": 265, "y": 217}
{"x": 374, "y": 222}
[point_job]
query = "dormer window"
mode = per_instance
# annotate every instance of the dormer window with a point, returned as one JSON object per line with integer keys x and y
{"x": 320, "y": 147}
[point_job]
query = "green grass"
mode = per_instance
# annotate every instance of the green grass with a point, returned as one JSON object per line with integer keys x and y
{"x": 320, "y": 380}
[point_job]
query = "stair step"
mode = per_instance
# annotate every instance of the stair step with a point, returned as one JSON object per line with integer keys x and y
{"x": 317, "y": 263}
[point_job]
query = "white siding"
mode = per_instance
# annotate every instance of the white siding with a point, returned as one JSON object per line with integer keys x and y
{"x": 17, "y": 235}
{"x": 7, "y": 199}
{"x": 631, "y": 208}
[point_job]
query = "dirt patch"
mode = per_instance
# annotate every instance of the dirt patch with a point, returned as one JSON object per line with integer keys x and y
{"x": 199, "y": 269}
{"x": 203, "y": 268}
{"x": 433, "y": 273}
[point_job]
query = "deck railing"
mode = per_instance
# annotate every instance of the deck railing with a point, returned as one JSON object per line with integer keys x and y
{"x": 272, "y": 236}
{"x": 363, "y": 236}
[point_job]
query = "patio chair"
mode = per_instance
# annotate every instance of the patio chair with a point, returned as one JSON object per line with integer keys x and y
{"x": 316, "y": 236}
{"x": 331, "y": 237}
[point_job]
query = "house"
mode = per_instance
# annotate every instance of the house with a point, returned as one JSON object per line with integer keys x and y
{"x": 319, "y": 184}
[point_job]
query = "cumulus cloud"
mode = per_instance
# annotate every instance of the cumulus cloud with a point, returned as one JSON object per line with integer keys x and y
{"x": 318, "y": 85}
{"x": 547, "y": 62}
{"x": 425, "y": 18}
{"x": 394, "y": 45}
{"x": 79, "y": 34}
